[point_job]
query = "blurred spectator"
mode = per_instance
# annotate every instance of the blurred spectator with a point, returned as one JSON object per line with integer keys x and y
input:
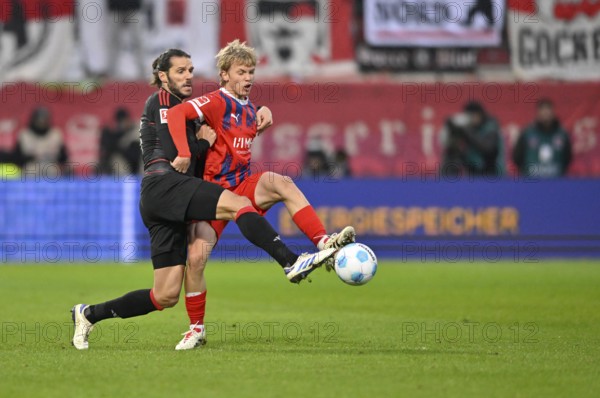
{"x": 341, "y": 165}
{"x": 125, "y": 15}
{"x": 40, "y": 146}
{"x": 472, "y": 143}
{"x": 543, "y": 148}
{"x": 120, "y": 152}
{"x": 315, "y": 164}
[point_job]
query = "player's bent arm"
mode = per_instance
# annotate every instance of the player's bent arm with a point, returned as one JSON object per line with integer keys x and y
{"x": 206, "y": 135}
{"x": 176, "y": 118}
{"x": 264, "y": 119}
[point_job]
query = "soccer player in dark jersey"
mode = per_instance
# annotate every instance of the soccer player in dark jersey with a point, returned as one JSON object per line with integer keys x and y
{"x": 169, "y": 200}
{"x": 230, "y": 112}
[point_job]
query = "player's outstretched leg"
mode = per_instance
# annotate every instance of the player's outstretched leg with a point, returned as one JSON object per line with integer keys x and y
{"x": 272, "y": 188}
{"x": 164, "y": 294}
{"x": 257, "y": 230}
{"x": 85, "y": 316}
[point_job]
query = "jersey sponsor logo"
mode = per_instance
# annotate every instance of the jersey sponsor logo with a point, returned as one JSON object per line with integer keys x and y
{"x": 163, "y": 115}
{"x": 236, "y": 117}
{"x": 241, "y": 142}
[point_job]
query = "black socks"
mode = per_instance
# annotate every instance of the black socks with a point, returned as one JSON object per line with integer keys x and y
{"x": 258, "y": 231}
{"x": 132, "y": 304}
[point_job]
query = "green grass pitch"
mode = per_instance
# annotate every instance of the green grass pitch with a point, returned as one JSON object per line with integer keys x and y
{"x": 430, "y": 330}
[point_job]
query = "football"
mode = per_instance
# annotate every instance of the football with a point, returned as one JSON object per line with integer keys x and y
{"x": 355, "y": 264}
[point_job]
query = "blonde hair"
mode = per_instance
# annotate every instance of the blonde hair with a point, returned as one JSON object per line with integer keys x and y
{"x": 233, "y": 52}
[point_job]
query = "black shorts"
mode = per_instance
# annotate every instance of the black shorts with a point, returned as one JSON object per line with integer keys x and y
{"x": 164, "y": 201}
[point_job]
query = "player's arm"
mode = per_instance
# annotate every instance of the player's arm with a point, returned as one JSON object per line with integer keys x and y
{"x": 177, "y": 117}
{"x": 264, "y": 119}
{"x": 206, "y": 138}
{"x": 176, "y": 120}
{"x": 157, "y": 120}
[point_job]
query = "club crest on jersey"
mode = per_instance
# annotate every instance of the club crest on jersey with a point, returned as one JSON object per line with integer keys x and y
{"x": 163, "y": 115}
{"x": 241, "y": 142}
{"x": 202, "y": 100}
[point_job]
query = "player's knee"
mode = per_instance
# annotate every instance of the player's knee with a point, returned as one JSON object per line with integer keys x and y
{"x": 285, "y": 185}
{"x": 167, "y": 299}
{"x": 197, "y": 261}
{"x": 282, "y": 186}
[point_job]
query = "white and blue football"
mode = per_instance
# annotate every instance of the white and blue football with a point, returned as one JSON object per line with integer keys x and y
{"x": 355, "y": 264}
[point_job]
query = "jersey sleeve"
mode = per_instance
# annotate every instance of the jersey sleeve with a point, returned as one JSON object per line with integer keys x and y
{"x": 176, "y": 120}
{"x": 157, "y": 114}
{"x": 198, "y": 108}
{"x": 206, "y": 107}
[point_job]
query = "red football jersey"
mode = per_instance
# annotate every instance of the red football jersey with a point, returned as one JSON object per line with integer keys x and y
{"x": 234, "y": 121}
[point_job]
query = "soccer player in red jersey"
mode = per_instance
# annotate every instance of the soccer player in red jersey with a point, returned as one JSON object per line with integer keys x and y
{"x": 170, "y": 200}
{"x": 233, "y": 117}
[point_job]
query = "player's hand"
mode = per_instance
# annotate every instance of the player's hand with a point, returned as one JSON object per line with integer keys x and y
{"x": 264, "y": 119}
{"x": 207, "y": 133}
{"x": 181, "y": 164}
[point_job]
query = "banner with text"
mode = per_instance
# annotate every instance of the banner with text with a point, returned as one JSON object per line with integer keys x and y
{"x": 385, "y": 129}
{"x": 411, "y": 59}
{"x": 94, "y": 220}
{"x": 555, "y": 39}
{"x": 434, "y": 23}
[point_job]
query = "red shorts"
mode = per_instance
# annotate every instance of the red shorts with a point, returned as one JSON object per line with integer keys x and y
{"x": 246, "y": 188}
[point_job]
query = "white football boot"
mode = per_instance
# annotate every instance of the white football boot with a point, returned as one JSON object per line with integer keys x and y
{"x": 307, "y": 263}
{"x": 193, "y": 338}
{"x": 81, "y": 327}
{"x": 337, "y": 241}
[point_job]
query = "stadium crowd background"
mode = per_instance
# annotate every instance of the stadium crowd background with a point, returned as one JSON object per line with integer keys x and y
{"x": 450, "y": 92}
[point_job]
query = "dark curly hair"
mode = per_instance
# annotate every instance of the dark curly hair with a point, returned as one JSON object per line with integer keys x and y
{"x": 163, "y": 62}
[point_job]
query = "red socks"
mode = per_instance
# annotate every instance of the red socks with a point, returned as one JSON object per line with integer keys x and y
{"x": 309, "y": 223}
{"x": 195, "y": 304}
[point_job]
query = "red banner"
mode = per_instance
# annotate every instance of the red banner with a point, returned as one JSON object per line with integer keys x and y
{"x": 387, "y": 129}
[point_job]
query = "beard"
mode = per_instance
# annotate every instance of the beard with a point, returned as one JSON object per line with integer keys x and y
{"x": 174, "y": 89}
